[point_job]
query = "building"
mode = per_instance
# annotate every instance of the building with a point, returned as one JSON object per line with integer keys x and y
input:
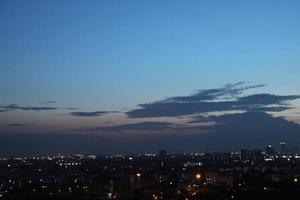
{"x": 214, "y": 178}
{"x": 270, "y": 151}
{"x": 245, "y": 154}
{"x": 283, "y": 148}
{"x": 256, "y": 154}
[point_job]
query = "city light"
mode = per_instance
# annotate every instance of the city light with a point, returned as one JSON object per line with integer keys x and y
{"x": 188, "y": 182}
{"x": 198, "y": 176}
{"x": 295, "y": 180}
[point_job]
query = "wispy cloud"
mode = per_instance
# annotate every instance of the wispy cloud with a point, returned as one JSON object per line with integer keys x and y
{"x": 8, "y": 127}
{"x": 18, "y": 125}
{"x": 71, "y": 108}
{"x": 91, "y": 114}
{"x": 32, "y": 108}
{"x": 48, "y": 102}
{"x": 266, "y": 99}
{"x": 228, "y": 91}
{"x": 227, "y": 98}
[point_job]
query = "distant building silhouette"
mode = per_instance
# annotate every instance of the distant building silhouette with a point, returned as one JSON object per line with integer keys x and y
{"x": 283, "y": 149}
{"x": 270, "y": 151}
{"x": 245, "y": 154}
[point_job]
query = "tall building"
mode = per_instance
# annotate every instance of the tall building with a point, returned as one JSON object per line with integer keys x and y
{"x": 257, "y": 154}
{"x": 270, "y": 151}
{"x": 245, "y": 154}
{"x": 162, "y": 154}
{"x": 283, "y": 148}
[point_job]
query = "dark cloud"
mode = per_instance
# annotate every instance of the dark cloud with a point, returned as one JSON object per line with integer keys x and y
{"x": 226, "y": 98}
{"x": 70, "y": 108}
{"x": 143, "y": 126}
{"x": 253, "y": 128}
{"x": 230, "y": 133}
{"x": 12, "y": 107}
{"x": 18, "y": 125}
{"x": 4, "y": 128}
{"x": 32, "y": 108}
{"x": 91, "y": 114}
{"x": 229, "y": 91}
{"x": 250, "y": 129}
{"x": 48, "y": 102}
{"x": 266, "y": 99}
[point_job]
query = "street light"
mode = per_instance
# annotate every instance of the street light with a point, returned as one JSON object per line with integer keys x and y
{"x": 295, "y": 180}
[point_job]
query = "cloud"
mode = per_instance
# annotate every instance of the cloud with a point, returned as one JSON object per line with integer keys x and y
{"x": 28, "y": 108}
{"x": 266, "y": 99}
{"x": 227, "y": 98}
{"x": 91, "y": 114}
{"x": 71, "y": 108}
{"x": 230, "y": 133}
{"x": 18, "y": 125}
{"x": 48, "y": 102}
{"x": 12, "y": 107}
{"x": 251, "y": 129}
{"x": 228, "y": 91}
{"x": 142, "y": 126}
{"x": 9, "y": 127}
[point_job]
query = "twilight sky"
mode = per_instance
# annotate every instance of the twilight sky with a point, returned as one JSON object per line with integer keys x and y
{"x": 137, "y": 76}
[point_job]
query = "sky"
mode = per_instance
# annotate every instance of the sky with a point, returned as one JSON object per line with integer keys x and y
{"x": 129, "y": 72}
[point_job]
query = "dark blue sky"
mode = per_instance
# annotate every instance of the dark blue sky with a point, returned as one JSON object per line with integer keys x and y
{"x": 68, "y": 66}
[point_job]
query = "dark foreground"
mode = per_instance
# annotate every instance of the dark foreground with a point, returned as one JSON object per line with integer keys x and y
{"x": 246, "y": 175}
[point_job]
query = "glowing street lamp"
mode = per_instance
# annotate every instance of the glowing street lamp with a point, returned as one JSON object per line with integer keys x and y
{"x": 138, "y": 175}
{"x": 295, "y": 180}
{"x": 198, "y": 176}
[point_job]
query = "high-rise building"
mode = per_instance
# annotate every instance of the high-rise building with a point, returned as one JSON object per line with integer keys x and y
{"x": 283, "y": 148}
{"x": 162, "y": 154}
{"x": 245, "y": 154}
{"x": 270, "y": 151}
{"x": 256, "y": 154}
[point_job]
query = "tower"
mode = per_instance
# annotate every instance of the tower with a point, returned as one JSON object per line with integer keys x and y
{"x": 283, "y": 148}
